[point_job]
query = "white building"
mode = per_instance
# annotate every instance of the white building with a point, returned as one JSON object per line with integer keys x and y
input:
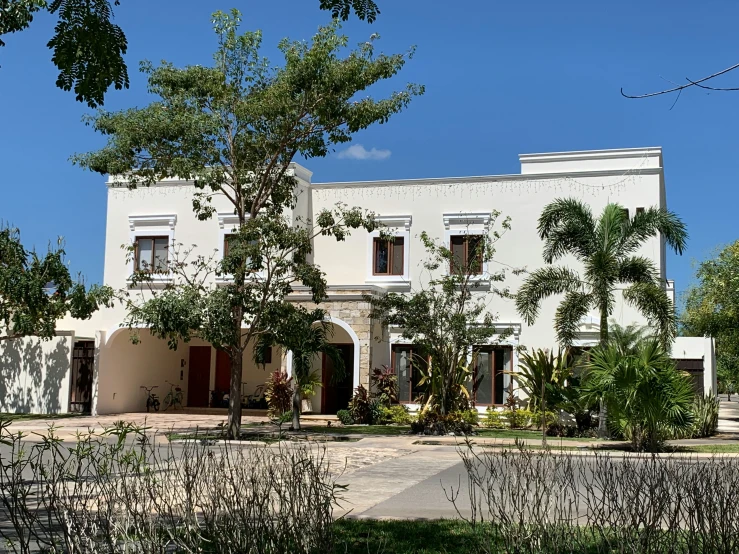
{"x": 446, "y": 208}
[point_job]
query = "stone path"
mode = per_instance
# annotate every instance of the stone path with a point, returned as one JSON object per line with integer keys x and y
{"x": 728, "y": 415}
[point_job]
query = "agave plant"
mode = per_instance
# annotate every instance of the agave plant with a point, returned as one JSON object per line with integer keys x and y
{"x": 648, "y": 399}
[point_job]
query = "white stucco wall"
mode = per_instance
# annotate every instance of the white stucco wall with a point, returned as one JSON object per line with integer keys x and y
{"x": 599, "y": 181}
{"x": 698, "y": 348}
{"x": 34, "y": 374}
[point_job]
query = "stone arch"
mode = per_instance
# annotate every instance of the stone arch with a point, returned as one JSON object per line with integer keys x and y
{"x": 355, "y": 341}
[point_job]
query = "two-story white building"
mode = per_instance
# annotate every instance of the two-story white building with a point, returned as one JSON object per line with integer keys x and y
{"x": 98, "y": 355}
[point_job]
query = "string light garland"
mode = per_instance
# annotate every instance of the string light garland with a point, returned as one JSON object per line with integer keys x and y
{"x": 559, "y": 185}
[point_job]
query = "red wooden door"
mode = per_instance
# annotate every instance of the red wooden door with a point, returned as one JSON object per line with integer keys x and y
{"x": 223, "y": 371}
{"x": 198, "y": 379}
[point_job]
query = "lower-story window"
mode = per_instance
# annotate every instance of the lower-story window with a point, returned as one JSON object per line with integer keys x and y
{"x": 407, "y": 361}
{"x": 492, "y": 374}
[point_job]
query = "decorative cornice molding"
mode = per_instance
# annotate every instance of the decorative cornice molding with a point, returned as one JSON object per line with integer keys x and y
{"x": 227, "y": 218}
{"x": 403, "y": 221}
{"x": 467, "y": 218}
{"x": 158, "y": 220}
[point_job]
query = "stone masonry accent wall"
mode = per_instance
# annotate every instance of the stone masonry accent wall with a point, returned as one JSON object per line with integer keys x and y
{"x": 356, "y": 313}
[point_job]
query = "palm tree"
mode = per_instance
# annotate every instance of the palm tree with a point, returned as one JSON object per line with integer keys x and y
{"x": 306, "y": 334}
{"x": 606, "y": 248}
{"x": 648, "y": 399}
{"x": 627, "y": 339}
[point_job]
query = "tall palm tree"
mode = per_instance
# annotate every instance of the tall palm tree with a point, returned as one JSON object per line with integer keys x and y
{"x": 307, "y": 334}
{"x": 606, "y": 248}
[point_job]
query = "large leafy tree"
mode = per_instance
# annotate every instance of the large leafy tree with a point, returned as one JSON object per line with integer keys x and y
{"x": 307, "y": 335}
{"x": 447, "y": 315}
{"x": 36, "y": 291}
{"x": 712, "y": 309}
{"x": 234, "y": 129}
{"x": 606, "y": 248}
{"x": 88, "y": 48}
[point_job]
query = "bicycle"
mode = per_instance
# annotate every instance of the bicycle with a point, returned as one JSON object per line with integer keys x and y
{"x": 174, "y": 397}
{"x": 152, "y": 400}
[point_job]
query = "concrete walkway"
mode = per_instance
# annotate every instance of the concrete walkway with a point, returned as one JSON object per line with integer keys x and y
{"x": 728, "y": 414}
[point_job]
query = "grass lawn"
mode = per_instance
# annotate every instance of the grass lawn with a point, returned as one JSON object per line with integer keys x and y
{"x": 710, "y": 448}
{"x": 23, "y": 417}
{"x": 360, "y": 536}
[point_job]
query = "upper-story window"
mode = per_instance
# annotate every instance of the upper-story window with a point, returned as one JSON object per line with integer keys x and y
{"x": 467, "y": 254}
{"x": 152, "y": 238}
{"x": 388, "y": 256}
{"x": 152, "y": 254}
{"x": 465, "y": 233}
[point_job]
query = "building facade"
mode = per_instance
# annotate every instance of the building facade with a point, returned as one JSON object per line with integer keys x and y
{"x": 453, "y": 210}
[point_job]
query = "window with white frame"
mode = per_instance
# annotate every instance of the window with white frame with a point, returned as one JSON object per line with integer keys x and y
{"x": 152, "y": 238}
{"x": 463, "y": 233}
{"x": 388, "y": 256}
{"x": 228, "y": 224}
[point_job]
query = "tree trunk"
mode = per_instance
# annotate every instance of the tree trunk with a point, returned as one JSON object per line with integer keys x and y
{"x": 603, "y": 412}
{"x": 297, "y": 397}
{"x": 234, "y": 399}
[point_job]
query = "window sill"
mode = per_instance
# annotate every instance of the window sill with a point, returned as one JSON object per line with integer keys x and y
{"x": 155, "y": 281}
{"x": 395, "y": 282}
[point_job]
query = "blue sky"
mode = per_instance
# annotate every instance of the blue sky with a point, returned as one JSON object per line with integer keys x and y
{"x": 502, "y": 78}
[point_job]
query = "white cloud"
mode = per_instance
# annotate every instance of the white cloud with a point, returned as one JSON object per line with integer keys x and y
{"x": 359, "y": 152}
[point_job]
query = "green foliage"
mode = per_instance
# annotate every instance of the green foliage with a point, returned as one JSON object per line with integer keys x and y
{"x": 648, "y": 399}
{"x": 88, "y": 48}
{"x": 431, "y": 422}
{"x": 385, "y": 383}
{"x": 360, "y": 406}
{"x": 278, "y": 392}
{"x": 365, "y": 9}
{"x": 712, "y": 309}
{"x": 547, "y": 418}
{"x": 493, "y": 419}
{"x": 705, "y": 410}
{"x": 543, "y": 369}
{"x": 345, "y": 417}
{"x": 307, "y": 334}
{"x": 519, "y": 419}
{"x": 233, "y": 129}
{"x": 606, "y": 247}
{"x": 448, "y": 316}
{"x": 397, "y": 414}
{"x": 37, "y": 291}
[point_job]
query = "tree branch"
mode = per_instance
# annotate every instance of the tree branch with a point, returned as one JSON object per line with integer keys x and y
{"x": 690, "y": 83}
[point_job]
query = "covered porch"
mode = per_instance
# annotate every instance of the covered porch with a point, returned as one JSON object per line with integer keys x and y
{"x": 201, "y": 371}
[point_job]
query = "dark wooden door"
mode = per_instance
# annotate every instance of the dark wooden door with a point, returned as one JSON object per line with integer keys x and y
{"x": 337, "y": 392}
{"x": 223, "y": 372}
{"x": 198, "y": 378}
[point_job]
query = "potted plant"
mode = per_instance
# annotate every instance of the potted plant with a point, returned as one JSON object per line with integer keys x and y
{"x": 308, "y": 386}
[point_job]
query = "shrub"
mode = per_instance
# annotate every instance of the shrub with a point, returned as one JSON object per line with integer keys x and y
{"x": 470, "y": 416}
{"x": 376, "y": 411}
{"x": 550, "y": 418}
{"x": 199, "y": 497}
{"x": 648, "y": 399}
{"x": 705, "y": 410}
{"x": 493, "y": 419}
{"x": 433, "y": 423}
{"x": 345, "y": 417}
{"x": 519, "y": 419}
{"x": 360, "y": 406}
{"x": 278, "y": 393}
{"x": 386, "y": 384}
{"x": 397, "y": 414}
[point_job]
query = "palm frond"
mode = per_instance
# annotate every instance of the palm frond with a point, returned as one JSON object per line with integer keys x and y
{"x": 566, "y": 225}
{"x": 637, "y": 269}
{"x": 569, "y": 314}
{"x": 541, "y": 284}
{"x": 652, "y": 301}
{"x": 650, "y": 223}
{"x": 610, "y": 229}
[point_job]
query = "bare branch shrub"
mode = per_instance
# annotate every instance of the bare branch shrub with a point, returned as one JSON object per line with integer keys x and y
{"x": 119, "y": 491}
{"x": 540, "y": 502}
